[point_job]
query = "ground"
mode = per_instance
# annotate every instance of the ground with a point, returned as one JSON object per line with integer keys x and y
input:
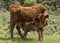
{"x": 34, "y": 39}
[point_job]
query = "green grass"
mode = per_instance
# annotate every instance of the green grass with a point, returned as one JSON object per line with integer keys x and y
{"x": 5, "y": 38}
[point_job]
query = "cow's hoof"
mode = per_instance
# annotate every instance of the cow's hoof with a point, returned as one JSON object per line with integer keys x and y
{"x": 41, "y": 40}
{"x": 24, "y": 38}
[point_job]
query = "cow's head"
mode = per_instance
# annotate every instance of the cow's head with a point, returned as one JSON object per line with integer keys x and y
{"x": 43, "y": 19}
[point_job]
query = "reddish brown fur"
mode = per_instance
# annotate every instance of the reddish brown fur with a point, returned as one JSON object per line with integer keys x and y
{"x": 28, "y": 14}
{"x": 30, "y": 26}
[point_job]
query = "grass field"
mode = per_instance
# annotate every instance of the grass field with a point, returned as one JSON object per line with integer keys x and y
{"x": 5, "y": 38}
{"x": 51, "y": 33}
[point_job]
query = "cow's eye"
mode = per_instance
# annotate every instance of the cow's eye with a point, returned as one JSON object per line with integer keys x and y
{"x": 47, "y": 16}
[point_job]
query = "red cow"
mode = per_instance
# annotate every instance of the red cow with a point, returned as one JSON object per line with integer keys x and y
{"x": 22, "y": 14}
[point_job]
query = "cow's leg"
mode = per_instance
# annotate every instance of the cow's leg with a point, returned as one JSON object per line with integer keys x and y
{"x": 19, "y": 31}
{"x": 41, "y": 37}
{"x": 13, "y": 21}
{"x": 12, "y": 25}
{"x": 25, "y": 34}
{"x": 40, "y": 33}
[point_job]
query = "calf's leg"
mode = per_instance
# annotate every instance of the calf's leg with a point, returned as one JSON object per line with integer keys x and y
{"x": 19, "y": 31}
{"x": 25, "y": 34}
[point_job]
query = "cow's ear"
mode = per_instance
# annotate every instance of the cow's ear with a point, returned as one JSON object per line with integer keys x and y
{"x": 42, "y": 9}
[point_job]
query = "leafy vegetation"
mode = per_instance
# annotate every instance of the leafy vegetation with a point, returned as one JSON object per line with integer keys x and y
{"x": 50, "y": 4}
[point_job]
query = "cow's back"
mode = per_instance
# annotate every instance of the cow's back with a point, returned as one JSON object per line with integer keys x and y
{"x": 26, "y": 13}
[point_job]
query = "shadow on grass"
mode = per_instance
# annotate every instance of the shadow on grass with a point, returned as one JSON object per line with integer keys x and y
{"x": 18, "y": 40}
